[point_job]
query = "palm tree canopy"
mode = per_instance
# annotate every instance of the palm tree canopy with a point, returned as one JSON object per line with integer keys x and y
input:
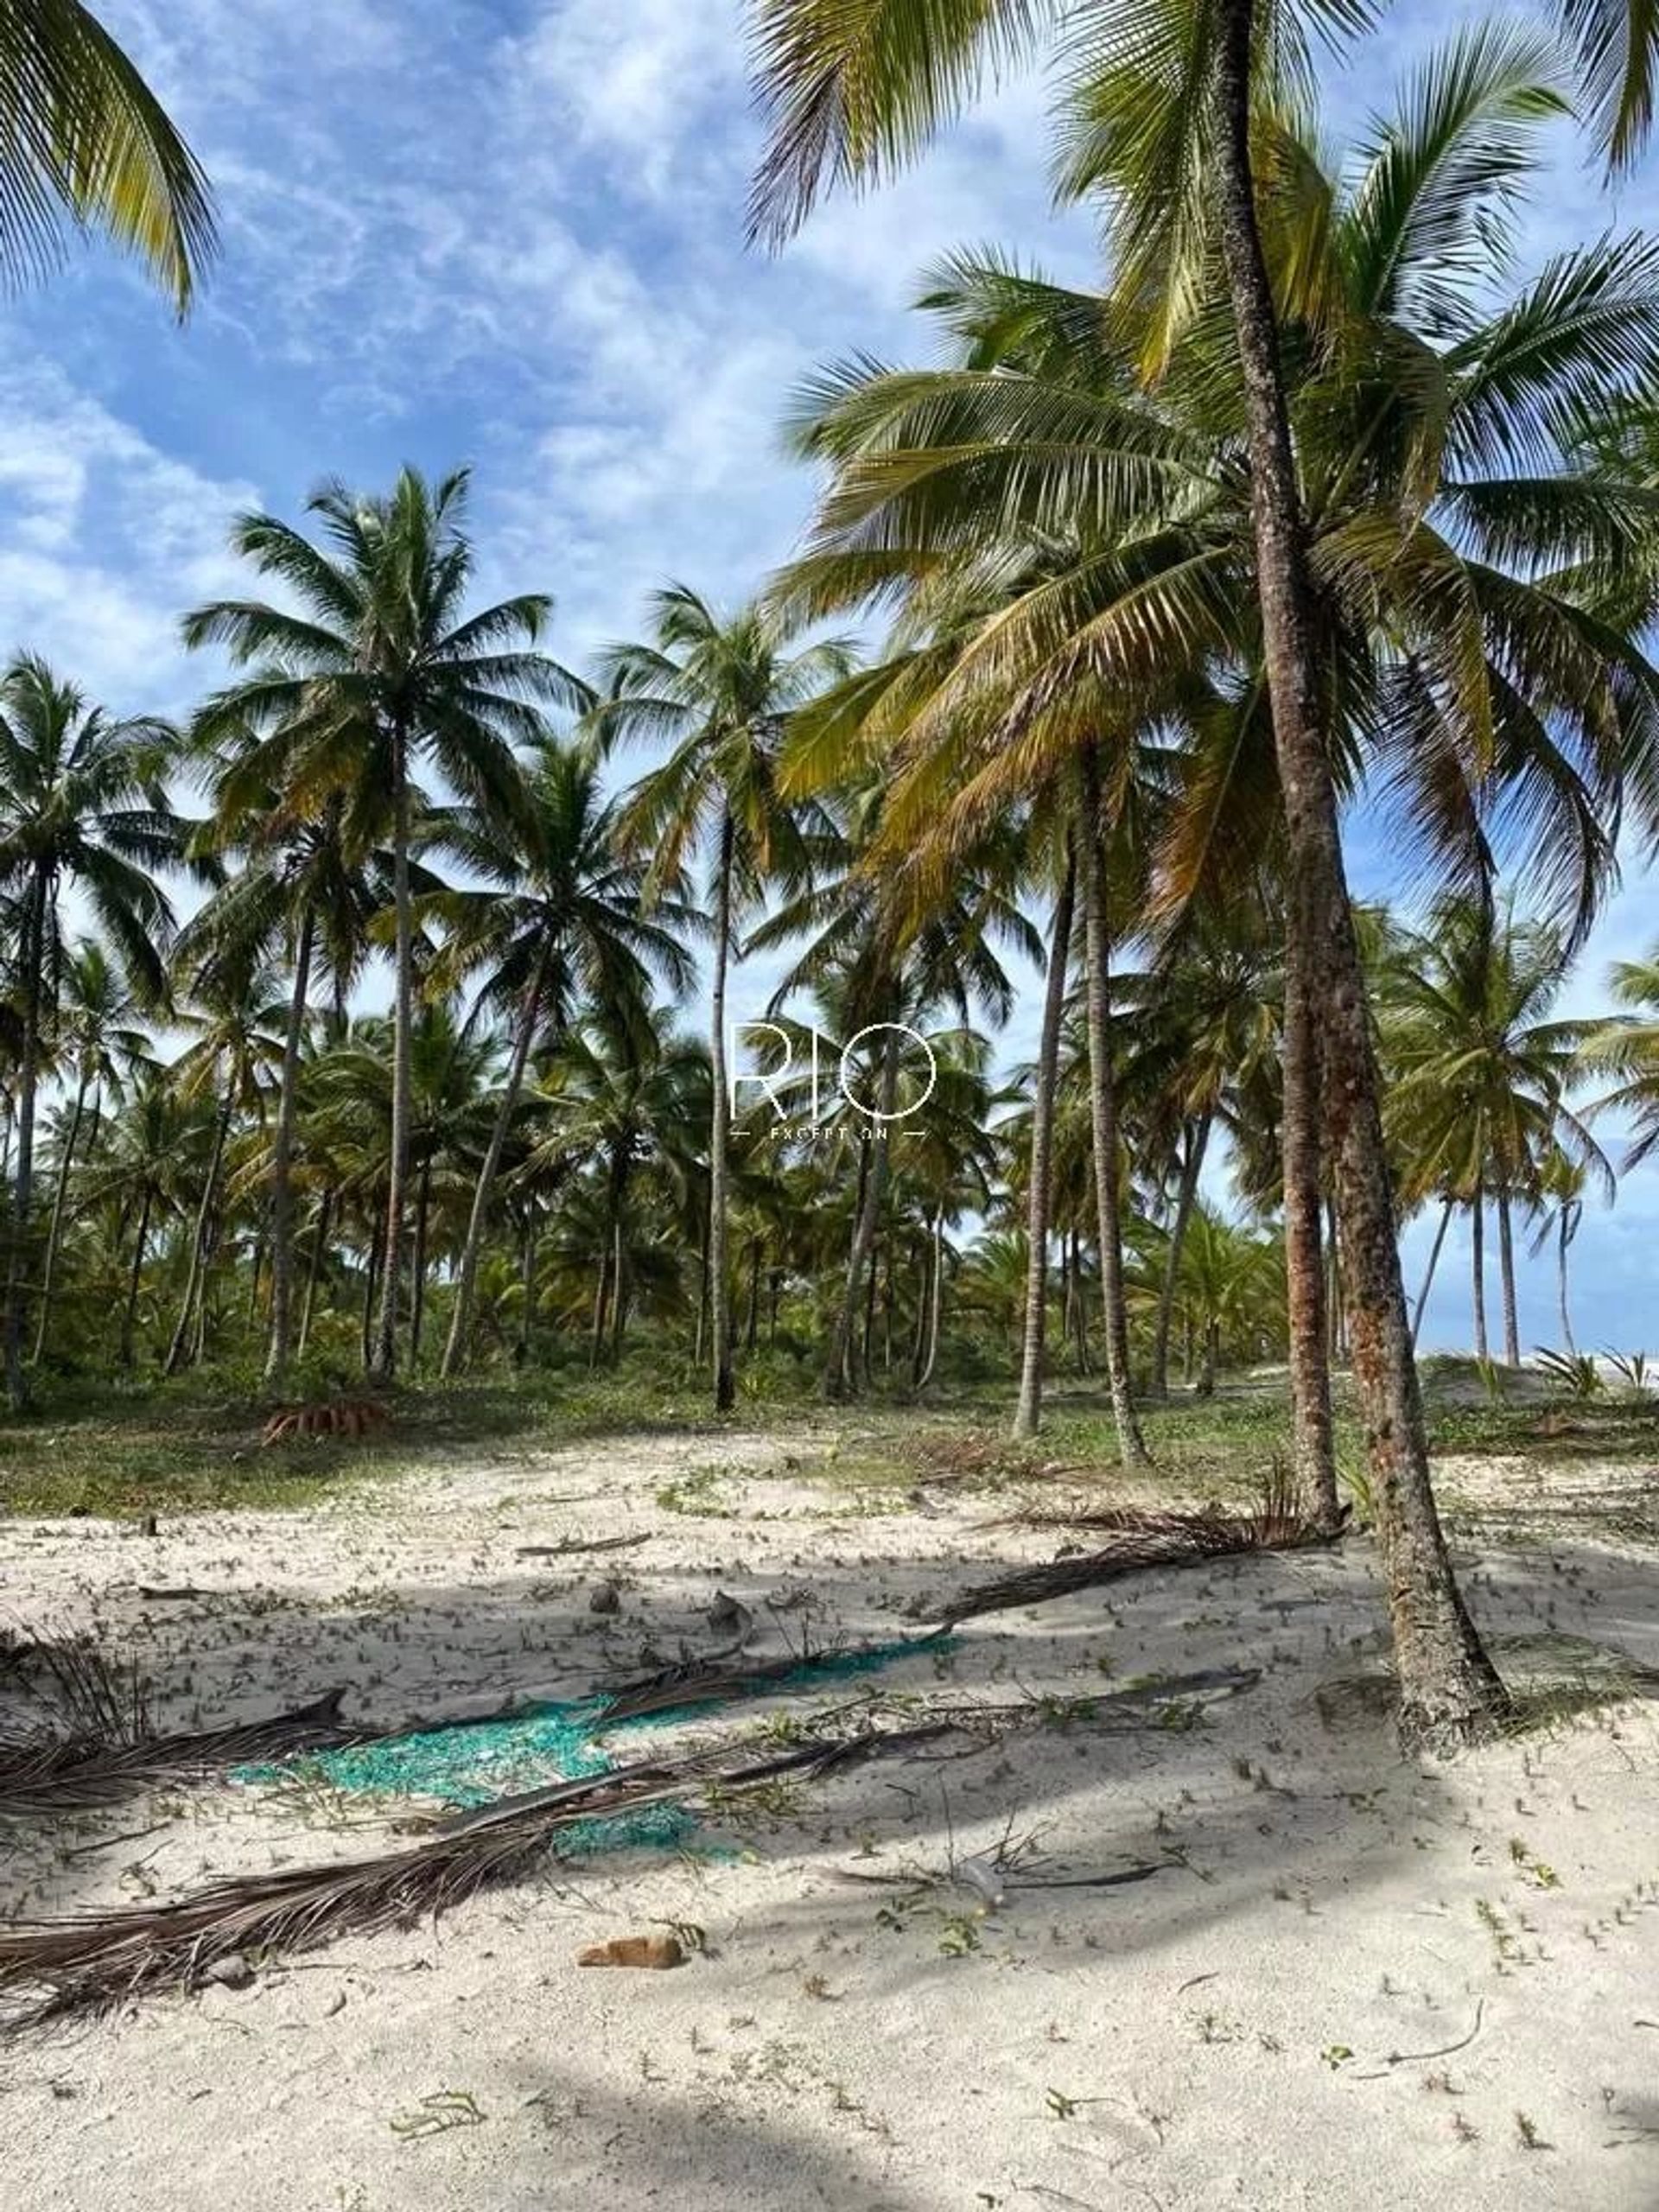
{"x": 84, "y": 145}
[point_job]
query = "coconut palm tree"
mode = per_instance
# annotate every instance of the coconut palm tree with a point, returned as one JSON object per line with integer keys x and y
{"x": 82, "y": 807}
{"x": 1164, "y": 97}
{"x": 1480, "y": 1072}
{"x": 720, "y": 689}
{"x": 300, "y": 896}
{"x": 99, "y": 1040}
{"x": 86, "y": 146}
{"x": 563, "y": 925}
{"x": 232, "y": 1011}
{"x": 383, "y": 668}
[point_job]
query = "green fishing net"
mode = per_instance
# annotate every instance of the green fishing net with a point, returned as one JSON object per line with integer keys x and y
{"x": 475, "y": 1763}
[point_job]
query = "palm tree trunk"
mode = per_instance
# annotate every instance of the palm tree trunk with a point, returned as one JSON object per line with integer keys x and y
{"x": 1028, "y": 1406}
{"x": 33, "y": 958}
{"x": 383, "y": 1362}
{"x": 1198, "y": 1140}
{"x": 720, "y": 1288}
{"x": 1450, "y": 1692}
{"x": 527, "y": 1286}
{"x": 1102, "y": 1108}
{"x": 196, "y": 1277}
{"x": 418, "y": 1268}
{"x": 752, "y": 1327}
{"x": 129, "y": 1319}
{"x": 1506, "y": 1277}
{"x": 1478, "y": 1248}
{"x": 837, "y": 1365}
{"x": 314, "y": 1271}
{"x": 621, "y": 1292}
{"x": 935, "y": 1300}
{"x": 55, "y": 1232}
{"x": 281, "y": 1162}
{"x": 1567, "y": 1223}
{"x": 457, "y": 1345}
{"x": 1428, "y": 1272}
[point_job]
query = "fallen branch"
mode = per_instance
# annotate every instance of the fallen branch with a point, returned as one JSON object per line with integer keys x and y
{"x": 46, "y": 1775}
{"x": 1148, "y": 1541}
{"x": 106, "y": 1959}
{"x": 1416, "y": 2057}
{"x": 569, "y": 1546}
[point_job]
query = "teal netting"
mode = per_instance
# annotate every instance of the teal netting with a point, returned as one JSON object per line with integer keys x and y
{"x": 477, "y": 1761}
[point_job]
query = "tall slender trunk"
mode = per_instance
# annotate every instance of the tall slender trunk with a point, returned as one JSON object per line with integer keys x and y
{"x": 1506, "y": 1275}
{"x": 1079, "y": 1305}
{"x": 935, "y": 1300}
{"x": 313, "y": 1272}
{"x": 1198, "y": 1140}
{"x": 458, "y": 1344}
{"x": 1028, "y": 1406}
{"x": 382, "y": 1364}
{"x": 621, "y": 1290}
{"x": 34, "y": 958}
{"x": 417, "y": 1263}
{"x": 752, "y": 1327}
{"x": 55, "y": 1232}
{"x": 1428, "y": 1272}
{"x": 720, "y": 1287}
{"x": 1102, "y": 1109}
{"x": 370, "y": 1284}
{"x": 195, "y": 1279}
{"x": 527, "y": 1284}
{"x": 596, "y": 1339}
{"x": 1336, "y": 1297}
{"x": 1566, "y": 1227}
{"x": 281, "y": 1162}
{"x": 129, "y": 1319}
{"x": 1450, "y": 1692}
{"x": 1478, "y": 1251}
{"x": 837, "y": 1364}
{"x": 1313, "y": 1430}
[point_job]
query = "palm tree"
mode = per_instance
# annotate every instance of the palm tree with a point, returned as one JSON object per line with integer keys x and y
{"x": 97, "y": 1038}
{"x": 302, "y": 896}
{"x": 384, "y": 665}
{"x": 81, "y": 805}
{"x": 562, "y": 925}
{"x": 84, "y": 145}
{"x": 1163, "y": 101}
{"x": 720, "y": 689}
{"x": 1027, "y": 1412}
{"x": 1479, "y": 1072}
{"x": 230, "y": 1009}
{"x": 624, "y": 1094}
{"x": 143, "y": 1171}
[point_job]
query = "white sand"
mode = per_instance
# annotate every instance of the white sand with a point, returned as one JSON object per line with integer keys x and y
{"x": 1230, "y": 2033}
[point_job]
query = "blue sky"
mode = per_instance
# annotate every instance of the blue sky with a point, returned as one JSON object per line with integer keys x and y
{"x": 509, "y": 231}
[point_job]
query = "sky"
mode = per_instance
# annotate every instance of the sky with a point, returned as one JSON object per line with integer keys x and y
{"x": 509, "y": 233}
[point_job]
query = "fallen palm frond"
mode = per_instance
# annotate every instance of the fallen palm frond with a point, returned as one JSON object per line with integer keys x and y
{"x": 1145, "y": 1541}
{"x": 43, "y": 1775}
{"x": 87, "y": 1692}
{"x": 706, "y": 1680}
{"x": 57, "y": 1966}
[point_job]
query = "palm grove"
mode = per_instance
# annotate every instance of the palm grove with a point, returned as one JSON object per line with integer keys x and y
{"x": 1322, "y": 496}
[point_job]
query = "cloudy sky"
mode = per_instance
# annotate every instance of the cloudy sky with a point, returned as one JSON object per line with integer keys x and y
{"x": 509, "y": 231}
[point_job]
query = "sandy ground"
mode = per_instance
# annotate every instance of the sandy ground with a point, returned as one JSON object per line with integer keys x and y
{"x": 1242, "y": 2030}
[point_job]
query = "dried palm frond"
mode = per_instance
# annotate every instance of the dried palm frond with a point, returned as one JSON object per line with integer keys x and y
{"x": 87, "y": 1692}
{"x": 1146, "y": 1541}
{"x": 42, "y": 1775}
{"x": 706, "y": 1680}
{"x": 57, "y": 1966}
